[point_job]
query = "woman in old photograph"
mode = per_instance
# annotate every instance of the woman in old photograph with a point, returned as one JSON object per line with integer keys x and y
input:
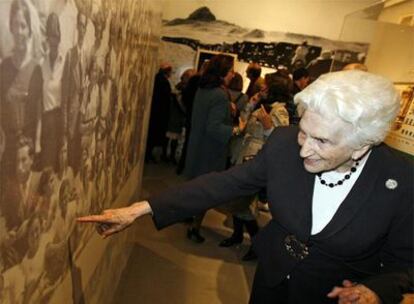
{"x": 20, "y": 82}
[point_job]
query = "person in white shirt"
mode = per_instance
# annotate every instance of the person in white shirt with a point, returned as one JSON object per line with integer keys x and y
{"x": 51, "y": 122}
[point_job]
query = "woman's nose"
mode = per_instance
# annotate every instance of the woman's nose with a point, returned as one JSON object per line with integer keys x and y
{"x": 306, "y": 149}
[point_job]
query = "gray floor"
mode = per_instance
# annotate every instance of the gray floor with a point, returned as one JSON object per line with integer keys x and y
{"x": 165, "y": 267}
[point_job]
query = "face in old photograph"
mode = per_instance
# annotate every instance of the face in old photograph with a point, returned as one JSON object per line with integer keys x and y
{"x": 24, "y": 162}
{"x": 81, "y": 27}
{"x": 98, "y": 23}
{"x": 47, "y": 183}
{"x": 20, "y": 25}
{"x": 53, "y": 31}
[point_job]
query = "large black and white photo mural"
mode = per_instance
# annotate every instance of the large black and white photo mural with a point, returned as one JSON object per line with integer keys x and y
{"x": 76, "y": 81}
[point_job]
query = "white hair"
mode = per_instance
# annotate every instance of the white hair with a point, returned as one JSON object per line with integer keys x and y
{"x": 368, "y": 102}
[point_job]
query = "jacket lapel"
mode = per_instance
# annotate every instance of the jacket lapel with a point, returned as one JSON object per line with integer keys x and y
{"x": 302, "y": 199}
{"x": 356, "y": 198}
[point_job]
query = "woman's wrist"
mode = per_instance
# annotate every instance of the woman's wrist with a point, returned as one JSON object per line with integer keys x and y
{"x": 139, "y": 209}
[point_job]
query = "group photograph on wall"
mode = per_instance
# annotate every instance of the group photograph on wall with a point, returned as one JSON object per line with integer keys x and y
{"x": 76, "y": 80}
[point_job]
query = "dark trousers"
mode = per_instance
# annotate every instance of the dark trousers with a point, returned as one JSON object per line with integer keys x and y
{"x": 238, "y": 223}
{"x": 51, "y": 138}
{"x": 181, "y": 162}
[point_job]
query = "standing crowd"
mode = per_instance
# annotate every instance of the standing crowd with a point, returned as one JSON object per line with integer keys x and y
{"x": 219, "y": 126}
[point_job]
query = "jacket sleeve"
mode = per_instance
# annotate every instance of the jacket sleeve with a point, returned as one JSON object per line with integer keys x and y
{"x": 208, "y": 191}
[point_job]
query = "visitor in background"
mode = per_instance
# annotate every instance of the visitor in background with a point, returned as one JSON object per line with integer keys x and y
{"x": 211, "y": 127}
{"x": 264, "y": 113}
{"x": 160, "y": 111}
{"x": 177, "y": 115}
{"x": 187, "y": 96}
{"x": 253, "y": 72}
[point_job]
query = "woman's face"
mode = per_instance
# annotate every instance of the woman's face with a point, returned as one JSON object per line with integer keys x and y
{"x": 20, "y": 30}
{"x": 324, "y": 145}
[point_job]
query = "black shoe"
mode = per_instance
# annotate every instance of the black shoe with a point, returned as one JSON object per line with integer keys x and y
{"x": 194, "y": 235}
{"x": 250, "y": 255}
{"x": 230, "y": 242}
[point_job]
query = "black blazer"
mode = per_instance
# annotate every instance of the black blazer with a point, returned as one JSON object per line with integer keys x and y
{"x": 369, "y": 239}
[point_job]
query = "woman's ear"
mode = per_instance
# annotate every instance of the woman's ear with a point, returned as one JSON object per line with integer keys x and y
{"x": 359, "y": 153}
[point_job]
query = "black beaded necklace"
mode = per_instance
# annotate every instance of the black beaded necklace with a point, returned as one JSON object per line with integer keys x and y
{"x": 341, "y": 181}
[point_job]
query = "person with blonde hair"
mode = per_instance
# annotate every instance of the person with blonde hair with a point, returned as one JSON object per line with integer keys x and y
{"x": 341, "y": 200}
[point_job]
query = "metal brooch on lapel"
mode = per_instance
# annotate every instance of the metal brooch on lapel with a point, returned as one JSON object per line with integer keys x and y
{"x": 391, "y": 184}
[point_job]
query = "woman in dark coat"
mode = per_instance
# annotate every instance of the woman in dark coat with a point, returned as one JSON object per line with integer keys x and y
{"x": 211, "y": 127}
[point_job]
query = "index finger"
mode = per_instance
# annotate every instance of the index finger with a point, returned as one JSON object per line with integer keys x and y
{"x": 93, "y": 219}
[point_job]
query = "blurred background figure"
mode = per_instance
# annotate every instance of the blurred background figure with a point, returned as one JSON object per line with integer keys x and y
{"x": 300, "y": 53}
{"x": 264, "y": 112}
{"x": 187, "y": 98}
{"x": 320, "y": 65}
{"x": 237, "y": 97}
{"x": 176, "y": 120}
{"x": 212, "y": 127}
{"x": 253, "y": 72}
{"x": 300, "y": 80}
{"x": 160, "y": 112}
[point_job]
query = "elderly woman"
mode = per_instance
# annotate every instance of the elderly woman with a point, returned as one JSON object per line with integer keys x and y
{"x": 342, "y": 202}
{"x": 211, "y": 127}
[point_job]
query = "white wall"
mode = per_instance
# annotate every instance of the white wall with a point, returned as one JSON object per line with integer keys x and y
{"x": 391, "y": 51}
{"x": 394, "y": 13}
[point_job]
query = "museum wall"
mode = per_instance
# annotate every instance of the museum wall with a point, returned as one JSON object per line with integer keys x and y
{"x": 76, "y": 80}
{"x": 391, "y": 49}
